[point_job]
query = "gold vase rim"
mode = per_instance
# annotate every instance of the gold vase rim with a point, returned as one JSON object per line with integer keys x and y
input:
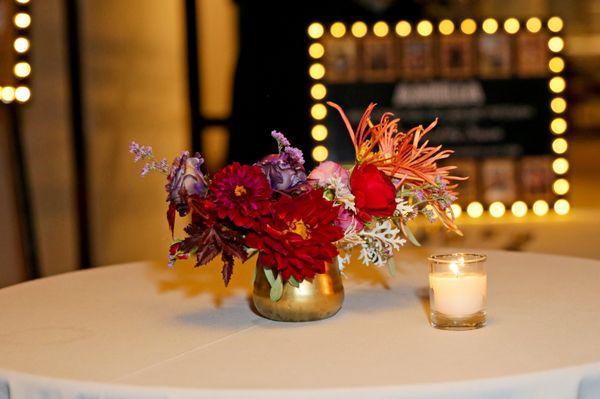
{"x": 452, "y": 258}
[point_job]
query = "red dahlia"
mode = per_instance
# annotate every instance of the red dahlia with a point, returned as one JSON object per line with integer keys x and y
{"x": 297, "y": 236}
{"x": 242, "y": 193}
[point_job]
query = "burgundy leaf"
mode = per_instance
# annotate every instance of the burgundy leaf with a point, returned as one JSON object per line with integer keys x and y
{"x": 227, "y": 270}
{"x": 171, "y": 217}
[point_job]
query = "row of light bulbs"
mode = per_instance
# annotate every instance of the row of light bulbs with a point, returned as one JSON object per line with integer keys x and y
{"x": 21, "y": 69}
{"x": 558, "y": 125}
{"x": 425, "y": 28}
{"x": 519, "y": 208}
{"x": 8, "y": 94}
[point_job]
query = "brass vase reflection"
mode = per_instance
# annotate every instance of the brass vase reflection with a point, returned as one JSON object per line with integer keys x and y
{"x": 316, "y": 300}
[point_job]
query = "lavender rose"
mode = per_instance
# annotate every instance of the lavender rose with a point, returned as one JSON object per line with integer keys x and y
{"x": 186, "y": 178}
{"x": 285, "y": 171}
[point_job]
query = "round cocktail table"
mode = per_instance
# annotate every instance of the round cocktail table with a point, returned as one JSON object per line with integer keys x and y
{"x": 141, "y": 330}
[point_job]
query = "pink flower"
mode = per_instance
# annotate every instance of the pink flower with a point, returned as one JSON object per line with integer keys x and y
{"x": 346, "y": 218}
{"x": 322, "y": 174}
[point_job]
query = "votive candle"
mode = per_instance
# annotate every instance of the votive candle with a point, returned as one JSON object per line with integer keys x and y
{"x": 457, "y": 291}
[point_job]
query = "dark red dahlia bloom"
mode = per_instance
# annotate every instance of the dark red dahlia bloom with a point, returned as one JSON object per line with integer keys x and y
{"x": 374, "y": 192}
{"x": 297, "y": 237}
{"x": 242, "y": 193}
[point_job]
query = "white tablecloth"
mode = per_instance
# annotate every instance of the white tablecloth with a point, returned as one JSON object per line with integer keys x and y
{"x": 142, "y": 331}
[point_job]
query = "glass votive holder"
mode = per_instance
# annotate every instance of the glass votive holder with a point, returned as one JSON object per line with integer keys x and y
{"x": 457, "y": 291}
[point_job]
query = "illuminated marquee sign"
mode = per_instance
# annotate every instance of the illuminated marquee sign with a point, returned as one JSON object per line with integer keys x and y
{"x": 495, "y": 85}
{"x": 15, "y": 69}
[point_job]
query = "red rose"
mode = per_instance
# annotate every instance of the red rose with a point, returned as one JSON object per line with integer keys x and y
{"x": 374, "y": 192}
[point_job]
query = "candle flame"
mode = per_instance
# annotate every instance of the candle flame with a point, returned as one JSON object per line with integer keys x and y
{"x": 454, "y": 268}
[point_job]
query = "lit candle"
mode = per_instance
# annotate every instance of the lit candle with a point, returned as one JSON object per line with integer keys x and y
{"x": 458, "y": 290}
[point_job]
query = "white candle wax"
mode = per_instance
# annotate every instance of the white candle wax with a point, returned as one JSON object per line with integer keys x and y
{"x": 458, "y": 294}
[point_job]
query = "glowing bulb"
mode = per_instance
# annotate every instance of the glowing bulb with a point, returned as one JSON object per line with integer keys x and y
{"x": 338, "y": 29}
{"x": 468, "y": 26}
{"x": 320, "y": 153}
{"x": 403, "y": 28}
{"x": 512, "y": 25}
{"x": 557, "y": 84}
{"x": 7, "y": 95}
{"x": 560, "y": 166}
{"x": 319, "y": 132}
{"x": 318, "y": 91}
{"x": 424, "y": 28}
{"x": 556, "y": 44}
{"x": 22, "y": 69}
{"x": 21, "y": 45}
{"x": 562, "y": 206}
{"x": 446, "y": 27}
{"x": 316, "y": 71}
{"x": 558, "y": 105}
{"x": 316, "y": 50}
{"x": 381, "y": 29}
{"x": 519, "y": 209}
{"x": 561, "y": 186}
{"x": 558, "y": 125}
{"x": 560, "y": 146}
{"x": 456, "y": 210}
{"x": 22, "y": 20}
{"x": 359, "y": 29}
{"x": 490, "y": 26}
{"x": 497, "y": 209}
{"x": 318, "y": 111}
{"x": 475, "y": 209}
{"x": 22, "y": 1}
{"x": 555, "y": 24}
{"x": 315, "y": 30}
{"x": 534, "y": 25}
{"x": 22, "y": 94}
{"x": 540, "y": 207}
{"x": 556, "y": 64}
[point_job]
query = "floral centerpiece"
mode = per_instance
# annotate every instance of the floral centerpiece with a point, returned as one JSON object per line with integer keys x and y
{"x": 299, "y": 222}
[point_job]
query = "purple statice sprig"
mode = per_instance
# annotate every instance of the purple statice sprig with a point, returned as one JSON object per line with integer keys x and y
{"x": 282, "y": 141}
{"x": 295, "y": 155}
{"x": 145, "y": 153}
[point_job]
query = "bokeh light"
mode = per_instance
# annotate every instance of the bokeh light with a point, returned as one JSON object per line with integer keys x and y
{"x": 490, "y": 26}
{"x": 540, "y": 207}
{"x": 468, "y": 26}
{"x": 497, "y": 209}
{"x": 319, "y": 132}
{"x": 315, "y": 30}
{"x": 519, "y": 209}
{"x": 320, "y": 153}
{"x": 403, "y": 28}
{"x": 475, "y": 209}
{"x": 359, "y": 29}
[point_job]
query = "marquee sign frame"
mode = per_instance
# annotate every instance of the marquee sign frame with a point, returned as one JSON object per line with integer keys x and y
{"x": 319, "y": 33}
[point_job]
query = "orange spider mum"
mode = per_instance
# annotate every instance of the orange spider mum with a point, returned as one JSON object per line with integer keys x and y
{"x": 400, "y": 154}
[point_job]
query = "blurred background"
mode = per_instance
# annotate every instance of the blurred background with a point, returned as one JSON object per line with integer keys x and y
{"x": 514, "y": 82}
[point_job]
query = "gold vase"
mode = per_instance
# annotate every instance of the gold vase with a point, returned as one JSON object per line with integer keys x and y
{"x": 316, "y": 300}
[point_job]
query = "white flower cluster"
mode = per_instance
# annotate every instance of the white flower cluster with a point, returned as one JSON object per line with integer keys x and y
{"x": 342, "y": 193}
{"x": 379, "y": 243}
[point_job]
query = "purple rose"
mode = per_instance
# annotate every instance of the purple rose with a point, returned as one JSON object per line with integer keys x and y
{"x": 284, "y": 171}
{"x": 186, "y": 178}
